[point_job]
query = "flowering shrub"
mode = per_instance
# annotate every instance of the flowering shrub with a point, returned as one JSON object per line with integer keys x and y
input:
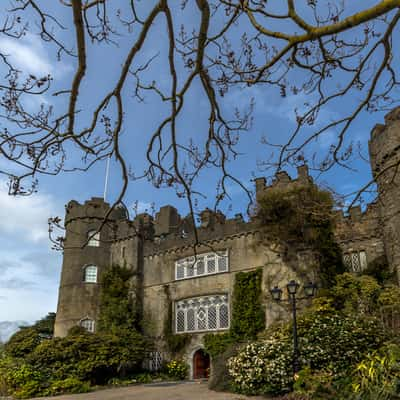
{"x": 328, "y": 342}
{"x": 263, "y": 367}
{"x": 177, "y": 369}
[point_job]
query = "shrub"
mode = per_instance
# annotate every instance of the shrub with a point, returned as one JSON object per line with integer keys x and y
{"x": 328, "y": 341}
{"x": 22, "y": 342}
{"x": 377, "y": 377}
{"x": 68, "y": 385}
{"x": 263, "y": 367}
{"x": 177, "y": 369}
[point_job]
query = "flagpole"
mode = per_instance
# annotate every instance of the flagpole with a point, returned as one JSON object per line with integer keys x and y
{"x": 106, "y": 180}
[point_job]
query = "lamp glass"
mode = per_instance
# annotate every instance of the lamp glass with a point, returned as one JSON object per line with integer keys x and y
{"x": 292, "y": 287}
{"x": 310, "y": 289}
{"x": 276, "y": 293}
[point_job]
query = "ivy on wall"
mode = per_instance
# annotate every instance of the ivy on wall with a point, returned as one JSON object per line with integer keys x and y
{"x": 117, "y": 309}
{"x": 248, "y": 316}
{"x": 303, "y": 215}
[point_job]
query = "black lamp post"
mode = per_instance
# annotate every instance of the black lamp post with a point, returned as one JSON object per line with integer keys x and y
{"x": 292, "y": 287}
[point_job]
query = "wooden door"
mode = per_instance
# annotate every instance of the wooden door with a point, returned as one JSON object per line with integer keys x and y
{"x": 201, "y": 364}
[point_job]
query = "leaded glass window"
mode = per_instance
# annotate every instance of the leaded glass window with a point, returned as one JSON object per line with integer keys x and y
{"x": 355, "y": 261}
{"x": 204, "y": 264}
{"x": 202, "y": 313}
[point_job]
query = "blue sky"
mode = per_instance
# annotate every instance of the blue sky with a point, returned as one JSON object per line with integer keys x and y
{"x": 29, "y": 269}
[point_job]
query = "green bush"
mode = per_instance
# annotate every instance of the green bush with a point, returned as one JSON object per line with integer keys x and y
{"x": 177, "y": 369}
{"x": 328, "y": 341}
{"x": 23, "y": 342}
{"x": 90, "y": 357}
{"x": 377, "y": 377}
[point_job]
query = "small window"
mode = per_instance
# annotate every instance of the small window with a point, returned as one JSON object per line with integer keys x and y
{"x": 87, "y": 324}
{"x": 355, "y": 261}
{"x": 90, "y": 274}
{"x": 94, "y": 238}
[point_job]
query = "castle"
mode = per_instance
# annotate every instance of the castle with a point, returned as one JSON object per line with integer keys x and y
{"x": 159, "y": 252}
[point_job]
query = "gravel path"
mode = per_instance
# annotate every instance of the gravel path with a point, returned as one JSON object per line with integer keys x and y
{"x": 181, "y": 391}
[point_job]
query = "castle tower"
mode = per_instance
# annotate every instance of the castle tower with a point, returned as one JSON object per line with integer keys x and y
{"x": 79, "y": 293}
{"x": 384, "y": 149}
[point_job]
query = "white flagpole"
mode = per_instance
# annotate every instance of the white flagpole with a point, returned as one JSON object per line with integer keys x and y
{"x": 106, "y": 181}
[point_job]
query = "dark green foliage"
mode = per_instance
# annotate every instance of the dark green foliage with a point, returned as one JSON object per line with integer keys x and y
{"x": 303, "y": 216}
{"x": 26, "y": 339}
{"x": 22, "y": 342}
{"x": 89, "y": 357}
{"x": 72, "y": 364}
{"x": 117, "y": 308}
{"x": 379, "y": 269}
{"x": 216, "y": 344}
{"x": 45, "y": 326}
{"x": 248, "y": 317}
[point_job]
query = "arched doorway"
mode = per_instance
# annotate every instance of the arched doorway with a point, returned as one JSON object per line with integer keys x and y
{"x": 201, "y": 364}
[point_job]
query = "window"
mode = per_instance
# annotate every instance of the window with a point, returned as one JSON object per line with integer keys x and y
{"x": 153, "y": 361}
{"x": 87, "y": 324}
{"x": 94, "y": 238}
{"x": 90, "y": 274}
{"x": 203, "y": 264}
{"x": 355, "y": 261}
{"x": 208, "y": 313}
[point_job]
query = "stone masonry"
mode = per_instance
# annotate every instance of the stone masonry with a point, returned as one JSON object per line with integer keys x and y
{"x": 152, "y": 248}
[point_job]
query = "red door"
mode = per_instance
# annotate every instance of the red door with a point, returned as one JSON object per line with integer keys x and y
{"x": 201, "y": 364}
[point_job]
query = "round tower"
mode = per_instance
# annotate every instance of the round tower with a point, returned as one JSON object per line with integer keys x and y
{"x": 384, "y": 150}
{"x": 79, "y": 292}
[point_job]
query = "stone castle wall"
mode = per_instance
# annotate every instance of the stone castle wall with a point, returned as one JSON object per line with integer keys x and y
{"x": 150, "y": 247}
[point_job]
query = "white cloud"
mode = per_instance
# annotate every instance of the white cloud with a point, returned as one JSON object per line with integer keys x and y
{"x": 30, "y": 56}
{"x": 25, "y": 217}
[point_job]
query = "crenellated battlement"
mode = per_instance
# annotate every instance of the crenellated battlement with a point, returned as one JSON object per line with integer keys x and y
{"x": 95, "y": 208}
{"x": 282, "y": 179}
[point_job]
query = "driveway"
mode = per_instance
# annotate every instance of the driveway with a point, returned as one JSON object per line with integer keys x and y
{"x": 161, "y": 391}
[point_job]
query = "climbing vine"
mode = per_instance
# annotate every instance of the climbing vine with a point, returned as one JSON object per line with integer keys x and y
{"x": 248, "y": 316}
{"x": 303, "y": 215}
{"x": 117, "y": 309}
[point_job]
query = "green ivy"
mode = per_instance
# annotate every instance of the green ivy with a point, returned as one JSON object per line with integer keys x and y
{"x": 117, "y": 309}
{"x": 216, "y": 344}
{"x": 303, "y": 215}
{"x": 248, "y": 316}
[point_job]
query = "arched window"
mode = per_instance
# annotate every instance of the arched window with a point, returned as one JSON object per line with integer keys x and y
{"x": 90, "y": 274}
{"x": 87, "y": 324}
{"x": 94, "y": 238}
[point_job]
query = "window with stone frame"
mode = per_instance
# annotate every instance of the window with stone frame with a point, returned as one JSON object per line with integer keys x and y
{"x": 90, "y": 274}
{"x": 87, "y": 324}
{"x": 206, "y": 313}
{"x": 202, "y": 264}
{"x": 93, "y": 238}
{"x": 355, "y": 261}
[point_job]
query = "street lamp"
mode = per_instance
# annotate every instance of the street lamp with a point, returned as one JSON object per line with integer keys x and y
{"x": 292, "y": 288}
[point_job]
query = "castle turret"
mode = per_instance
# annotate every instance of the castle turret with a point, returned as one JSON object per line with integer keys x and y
{"x": 83, "y": 265}
{"x": 384, "y": 149}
